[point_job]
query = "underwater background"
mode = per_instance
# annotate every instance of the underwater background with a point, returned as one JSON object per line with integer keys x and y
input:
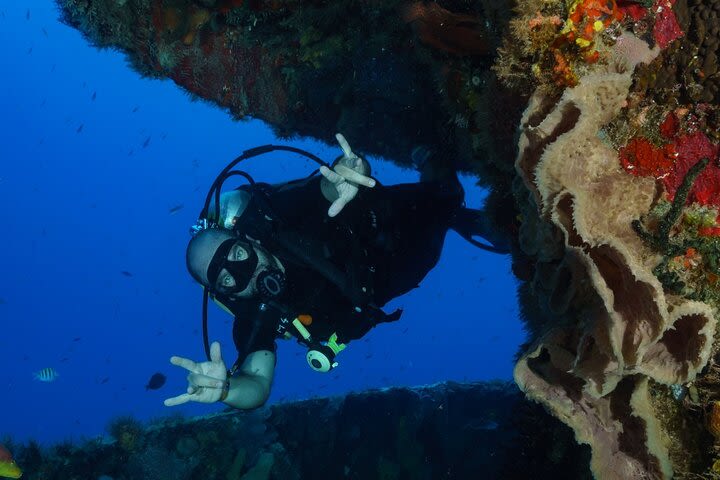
{"x": 101, "y": 175}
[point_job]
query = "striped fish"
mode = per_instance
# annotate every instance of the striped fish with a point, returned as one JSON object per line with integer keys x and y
{"x": 48, "y": 374}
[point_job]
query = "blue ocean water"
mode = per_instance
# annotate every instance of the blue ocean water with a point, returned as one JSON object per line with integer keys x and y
{"x": 101, "y": 175}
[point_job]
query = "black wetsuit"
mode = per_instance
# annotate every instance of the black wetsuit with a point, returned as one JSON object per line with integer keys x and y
{"x": 341, "y": 271}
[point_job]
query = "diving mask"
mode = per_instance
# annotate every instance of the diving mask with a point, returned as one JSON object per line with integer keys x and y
{"x": 239, "y": 260}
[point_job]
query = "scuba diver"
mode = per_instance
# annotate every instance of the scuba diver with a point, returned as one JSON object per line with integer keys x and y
{"x": 286, "y": 265}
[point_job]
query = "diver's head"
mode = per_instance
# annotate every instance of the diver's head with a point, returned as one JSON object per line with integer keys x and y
{"x": 233, "y": 267}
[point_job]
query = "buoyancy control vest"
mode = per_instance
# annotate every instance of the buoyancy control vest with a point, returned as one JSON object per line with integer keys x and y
{"x": 260, "y": 222}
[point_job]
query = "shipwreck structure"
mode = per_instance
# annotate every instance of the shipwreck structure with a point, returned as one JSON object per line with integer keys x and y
{"x": 594, "y": 123}
{"x": 449, "y": 430}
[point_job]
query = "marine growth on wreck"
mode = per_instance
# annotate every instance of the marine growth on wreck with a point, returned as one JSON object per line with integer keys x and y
{"x": 621, "y": 169}
{"x": 593, "y": 122}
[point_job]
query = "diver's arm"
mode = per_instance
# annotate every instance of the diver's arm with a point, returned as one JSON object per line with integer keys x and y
{"x": 251, "y": 387}
{"x": 337, "y": 185}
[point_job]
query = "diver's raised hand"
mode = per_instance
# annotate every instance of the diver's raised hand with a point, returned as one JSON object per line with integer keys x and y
{"x": 345, "y": 176}
{"x": 205, "y": 381}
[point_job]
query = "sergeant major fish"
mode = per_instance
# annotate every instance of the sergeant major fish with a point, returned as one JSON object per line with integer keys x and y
{"x": 46, "y": 375}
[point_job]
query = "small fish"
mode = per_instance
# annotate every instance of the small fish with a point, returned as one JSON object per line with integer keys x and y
{"x": 8, "y": 467}
{"x": 146, "y": 142}
{"x": 156, "y": 381}
{"x": 126, "y": 273}
{"x": 80, "y": 128}
{"x": 44, "y": 32}
{"x": 135, "y": 109}
{"x": 176, "y": 208}
{"x": 94, "y": 96}
{"x": 27, "y": 14}
{"x": 46, "y": 375}
{"x": 29, "y": 50}
{"x": 104, "y": 380}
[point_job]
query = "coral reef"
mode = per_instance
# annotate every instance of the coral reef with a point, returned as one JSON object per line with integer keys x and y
{"x": 686, "y": 72}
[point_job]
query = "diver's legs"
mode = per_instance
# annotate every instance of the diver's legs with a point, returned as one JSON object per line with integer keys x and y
{"x": 433, "y": 167}
{"x": 468, "y": 222}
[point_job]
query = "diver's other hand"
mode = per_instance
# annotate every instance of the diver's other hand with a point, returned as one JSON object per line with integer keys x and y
{"x": 205, "y": 381}
{"x": 345, "y": 176}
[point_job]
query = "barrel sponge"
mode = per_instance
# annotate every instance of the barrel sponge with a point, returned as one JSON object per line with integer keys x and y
{"x": 615, "y": 327}
{"x": 578, "y": 159}
{"x": 620, "y": 427}
{"x": 643, "y": 332}
{"x": 684, "y": 348}
{"x": 536, "y": 237}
